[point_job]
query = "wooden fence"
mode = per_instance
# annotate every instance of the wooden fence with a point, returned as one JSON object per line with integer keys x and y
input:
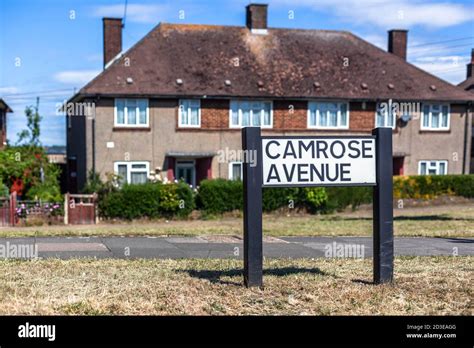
{"x": 80, "y": 209}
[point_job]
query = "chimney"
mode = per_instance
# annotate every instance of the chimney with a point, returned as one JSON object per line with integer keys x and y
{"x": 469, "y": 66}
{"x": 112, "y": 38}
{"x": 397, "y": 42}
{"x": 257, "y": 17}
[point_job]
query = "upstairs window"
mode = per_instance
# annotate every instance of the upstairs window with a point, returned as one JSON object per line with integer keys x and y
{"x": 131, "y": 113}
{"x": 435, "y": 117}
{"x": 251, "y": 113}
{"x": 190, "y": 113}
{"x": 328, "y": 115}
{"x": 433, "y": 167}
{"x": 383, "y": 116}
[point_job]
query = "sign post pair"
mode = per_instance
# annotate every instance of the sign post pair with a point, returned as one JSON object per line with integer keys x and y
{"x": 300, "y": 161}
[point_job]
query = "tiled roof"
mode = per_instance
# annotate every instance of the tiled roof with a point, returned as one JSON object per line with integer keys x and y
{"x": 228, "y": 61}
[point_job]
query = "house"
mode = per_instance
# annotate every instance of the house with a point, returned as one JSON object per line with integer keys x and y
{"x": 4, "y": 109}
{"x": 468, "y": 85}
{"x": 172, "y": 106}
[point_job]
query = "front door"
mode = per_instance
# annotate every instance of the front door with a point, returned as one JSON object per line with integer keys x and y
{"x": 185, "y": 170}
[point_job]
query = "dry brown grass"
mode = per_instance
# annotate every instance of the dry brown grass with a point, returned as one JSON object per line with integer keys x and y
{"x": 437, "y": 221}
{"x": 424, "y": 285}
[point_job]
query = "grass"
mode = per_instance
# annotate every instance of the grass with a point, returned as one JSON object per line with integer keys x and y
{"x": 423, "y": 286}
{"x": 437, "y": 221}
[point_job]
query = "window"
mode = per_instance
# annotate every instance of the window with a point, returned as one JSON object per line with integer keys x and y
{"x": 190, "y": 113}
{"x": 433, "y": 167}
{"x": 132, "y": 172}
{"x": 328, "y": 115}
{"x": 251, "y": 113}
{"x": 383, "y": 116}
{"x": 131, "y": 112}
{"x": 236, "y": 171}
{"x": 435, "y": 117}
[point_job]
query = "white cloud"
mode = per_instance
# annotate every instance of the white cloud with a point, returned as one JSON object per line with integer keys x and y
{"x": 391, "y": 13}
{"x": 135, "y": 12}
{"x": 77, "y": 77}
{"x": 8, "y": 90}
{"x": 450, "y": 68}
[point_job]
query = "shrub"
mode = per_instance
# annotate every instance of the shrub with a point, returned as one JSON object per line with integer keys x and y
{"x": 339, "y": 198}
{"x": 430, "y": 186}
{"x": 219, "y": 195}
{"x": 151, "y": 200}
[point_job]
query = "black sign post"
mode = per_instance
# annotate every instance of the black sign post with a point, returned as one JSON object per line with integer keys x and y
{"x": 382, "y": 204}
{"x": 253, "y": 181}
{"x": 383, "y": 207}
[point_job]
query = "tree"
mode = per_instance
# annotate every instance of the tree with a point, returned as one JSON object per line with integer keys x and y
{"x": 32, "y": 134}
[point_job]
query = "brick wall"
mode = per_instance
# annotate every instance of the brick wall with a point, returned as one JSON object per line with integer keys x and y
{"x": 214, "y": 113}
{"x": 287, "y": 115}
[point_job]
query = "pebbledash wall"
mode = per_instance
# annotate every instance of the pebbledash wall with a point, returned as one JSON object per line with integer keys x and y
{"x": 164, "y": 136}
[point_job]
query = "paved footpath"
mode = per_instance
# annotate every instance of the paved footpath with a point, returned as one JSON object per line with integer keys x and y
{"x": 229, "y": 247}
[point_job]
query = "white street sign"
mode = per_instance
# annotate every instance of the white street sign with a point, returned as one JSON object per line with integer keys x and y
{"x": 318, "y": 161}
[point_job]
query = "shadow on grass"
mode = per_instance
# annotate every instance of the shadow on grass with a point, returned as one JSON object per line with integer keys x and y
{"x": 404, "y": 218}
{"x": 214, "y": 276}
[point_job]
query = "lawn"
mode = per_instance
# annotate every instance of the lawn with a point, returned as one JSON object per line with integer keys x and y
{"x": 423, "y": 285}
{"x": 436, "y": 221}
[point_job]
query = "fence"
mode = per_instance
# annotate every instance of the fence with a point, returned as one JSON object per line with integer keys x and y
{"x": 80, "y": 209}
{"x": 8, "y": 210}
{"x": 76, "y": 209}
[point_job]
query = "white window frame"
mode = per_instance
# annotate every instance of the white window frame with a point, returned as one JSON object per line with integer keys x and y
{"x": 137, "y": 110}
{"x": 182, "y": 125}
{"x": 231, "y": 172}
{"x": 430, "y": 128}
{"x": 315, "y": 126}
{"x": 238, "y": 102}
{"x": 385, "y": 117}
{"x": 129, "y": 164}
{"x": 427, "y": 162}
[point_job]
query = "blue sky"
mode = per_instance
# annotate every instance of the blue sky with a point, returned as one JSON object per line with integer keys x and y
{"x": 49, "y": 48}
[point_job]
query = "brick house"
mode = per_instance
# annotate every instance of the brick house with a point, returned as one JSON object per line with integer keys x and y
{"x": 4, "y": 109}
{"x": 468, "y": 85}
{"x": 173, "y": 104}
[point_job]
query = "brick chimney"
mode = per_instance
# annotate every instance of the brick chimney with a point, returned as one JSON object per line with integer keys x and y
{"x": 257, "y": 16}
{"x": 112, "y": 38}
{"x": 397, "y": 42}
{"x": 469, "y": 66}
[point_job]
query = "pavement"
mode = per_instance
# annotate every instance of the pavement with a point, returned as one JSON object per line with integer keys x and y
{"x": 216, "y": 247}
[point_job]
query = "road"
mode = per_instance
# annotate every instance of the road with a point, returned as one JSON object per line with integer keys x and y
{"x": 225, "y": 247}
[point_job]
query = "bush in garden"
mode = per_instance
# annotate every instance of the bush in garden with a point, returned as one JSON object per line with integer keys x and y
{"x": 219, "y": 195}
{"x": 339, "y": 198}
{"x": 151, "y": 200}
{"x": 430, "y": 186}
{"x": 29, "y": 165}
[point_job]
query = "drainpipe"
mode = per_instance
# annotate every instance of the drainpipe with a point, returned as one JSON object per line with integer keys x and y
{"x": 467, "y": 140}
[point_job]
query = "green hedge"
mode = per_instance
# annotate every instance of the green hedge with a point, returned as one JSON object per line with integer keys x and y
{"x": 219, "y": 196}
{"x": 151, "y": 200}
{"x": 154, "y": 200}
{"x": 430, "y": 186}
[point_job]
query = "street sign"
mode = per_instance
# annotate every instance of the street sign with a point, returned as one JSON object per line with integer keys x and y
{"x": 298, "y": 161}
{"x": 318, "y": 161}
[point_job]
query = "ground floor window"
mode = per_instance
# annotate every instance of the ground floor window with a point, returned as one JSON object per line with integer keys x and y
{"x": 433, "y": 167}
{"x": 235, "y": 171}
{"x": 132, "y": 172}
